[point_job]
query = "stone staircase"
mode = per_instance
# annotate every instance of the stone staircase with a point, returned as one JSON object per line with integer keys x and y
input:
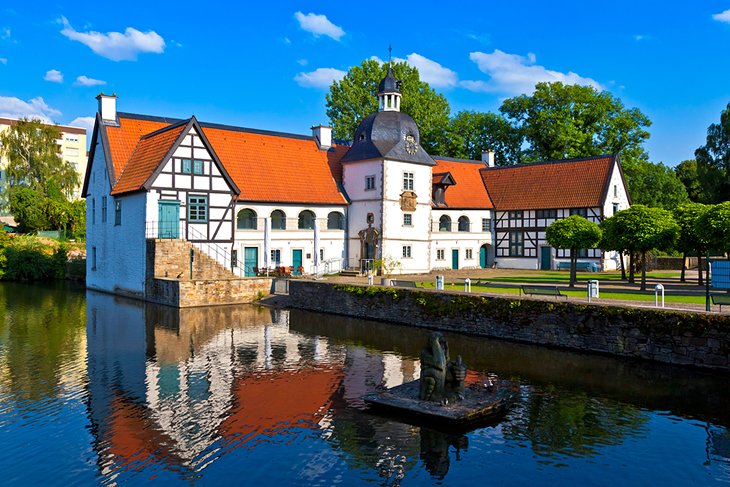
{"x": 170, "y": 258}
{"x": 350, "y": 273}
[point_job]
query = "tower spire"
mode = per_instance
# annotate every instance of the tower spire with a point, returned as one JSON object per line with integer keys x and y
{"x": 390, "y": 55}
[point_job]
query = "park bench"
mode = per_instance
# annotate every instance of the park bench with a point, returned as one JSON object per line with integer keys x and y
{"x": 543, "y": 291}
{"x": 399, "y": 283}
{"x": 579, "y": 266}
{"x": 720, "y": 299}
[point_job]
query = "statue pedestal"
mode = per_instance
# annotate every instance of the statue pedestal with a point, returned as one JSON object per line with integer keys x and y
{"x": 478, "y": 402}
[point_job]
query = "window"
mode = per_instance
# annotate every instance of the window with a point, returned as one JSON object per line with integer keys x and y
{"x": 246, "y": 220}
{"x": 197, "y": 167}
{"x": 276, "y": 257}
{"x": 463, "y": 224}
{"x": 515, "y": 215}
{"x": 440, "y": 254}
{"x": 469, "y": 254}
{"x": 306, "y": 220}
{"x": 72, "y": 138}
{"x": 408, "y": 181}
{"x": 234, "y": 258}
{"x": 615, "y": 208}
{"x": 335, "y": 221}
{"x": 582, "y": 253}
{"x": 444, "y": 223}
{"x": 278, "y": 220}
{"x": 93, "y": 258}
{"x": 515, "y": 244}
{"x": 579, "y": 211}
{"x": 406, "y": 251}
{"x": 486, "y": 225}
{"x": 117, "y": 212}
{"x": 93, "y": 211}
{"x": 407, "y": 220}
{"x": 197, "y": 209}
{"x": 321, "y": 255}
{"x": 615, "y": 191}
{"x": 369, "y": 182}
{"x": 186, "y": 166}
{"x": 546, "y": 214}
{"x": 103, "y": 209}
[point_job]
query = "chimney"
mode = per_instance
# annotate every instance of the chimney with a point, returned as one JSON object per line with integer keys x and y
{"x": 488, "y": 158}
{"x": 323, "y": 135}
{"x": 108, "y": 108}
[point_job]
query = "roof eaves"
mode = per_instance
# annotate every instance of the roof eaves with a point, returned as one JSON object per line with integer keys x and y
{"x": 92, "y": 151}
{"x": 194, "y": 122}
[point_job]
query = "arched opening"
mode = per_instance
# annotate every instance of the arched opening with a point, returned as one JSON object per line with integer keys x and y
{"x": 246, "y": 219}
{"x": 335, "y": 221}
{"x": 306, "y": 220}
{"x": 278, "y": 220}
{"x": 444, "y": 223}
{"x": 486, "y": 256}
{"x": 463, "y": 224}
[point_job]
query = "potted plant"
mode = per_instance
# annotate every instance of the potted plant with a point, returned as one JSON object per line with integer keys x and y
{"x": 387, "y": 266}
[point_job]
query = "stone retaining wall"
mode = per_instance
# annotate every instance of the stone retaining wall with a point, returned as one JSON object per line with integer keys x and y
{"x": 190, "y": 293}
{"x": 694, "y": 339}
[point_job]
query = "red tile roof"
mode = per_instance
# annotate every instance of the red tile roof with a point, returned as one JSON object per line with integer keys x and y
{"x": 576, "y": 183}
{"x": 469, "y": 191}
{"x": 266, "y": 166}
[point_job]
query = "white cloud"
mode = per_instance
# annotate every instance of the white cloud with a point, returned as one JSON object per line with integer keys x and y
{"x": 3, "y": 60}
{"x": 319, "y": 78}
{"x": 642, "y": 37}
{"x": 723, "y": 16}
{"x": 5, "y": 33}
{"x": 54, "y": 76}
{"x": 512, "y": 74}
{"x": 13, "y": 107}
{"x": 86, "y": 81}
{"x": 85, "y": 122}
{"x": 302, "y": 62}
{"x": 319, "y": 25}
{"x": 432, "y": 72}
{"x": 115, "y": 45}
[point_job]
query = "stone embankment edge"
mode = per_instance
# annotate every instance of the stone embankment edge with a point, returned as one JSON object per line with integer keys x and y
{"x": 688, "y": 339}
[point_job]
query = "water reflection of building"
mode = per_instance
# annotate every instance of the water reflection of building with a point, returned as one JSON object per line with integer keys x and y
{"x": 174, "y": 389}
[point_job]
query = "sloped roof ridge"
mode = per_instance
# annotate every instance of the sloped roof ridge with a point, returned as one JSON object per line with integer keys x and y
{"x": 557, "y": 161}
{"x": 456, "y": 159}
{"x": 164, "y": 129}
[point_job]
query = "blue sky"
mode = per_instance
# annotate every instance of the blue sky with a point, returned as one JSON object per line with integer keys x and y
{"x": 268, "y": 64}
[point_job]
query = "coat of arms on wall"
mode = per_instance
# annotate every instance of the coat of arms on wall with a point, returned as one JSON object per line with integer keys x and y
{"x": 408, "y": 201}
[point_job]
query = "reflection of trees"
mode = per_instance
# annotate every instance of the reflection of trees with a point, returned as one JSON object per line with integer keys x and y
{"x": 556, "y": 422}
{"x": 42, "y": 332}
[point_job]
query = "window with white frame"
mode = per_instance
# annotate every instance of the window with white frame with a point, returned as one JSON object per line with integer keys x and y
{"x": 369, "y": 183}
{"x": 406, "y": 251}
{"x": 486, "y": 224}
{"x": 469, "y": 254}
{"x": 407, "y": 220}
{"x": 515, "y": 244}
{"x": 276, "y": 257}
{"x": 440, "y": 254}
{"x": 117, "y": 212}
{"x": 408, "y": 181}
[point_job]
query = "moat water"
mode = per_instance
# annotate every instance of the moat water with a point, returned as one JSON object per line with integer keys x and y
{"x": 101, "y": 390}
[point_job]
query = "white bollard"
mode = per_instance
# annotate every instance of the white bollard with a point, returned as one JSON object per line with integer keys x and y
{"x": 440, "y": 282}
{"x": 657, "y": 288}
{"x": 467, "y": 285}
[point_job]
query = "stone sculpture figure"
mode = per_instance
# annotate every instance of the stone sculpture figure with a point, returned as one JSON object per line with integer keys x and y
{"x": 440, "y": 378}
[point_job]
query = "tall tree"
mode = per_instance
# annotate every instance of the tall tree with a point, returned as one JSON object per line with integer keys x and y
{"x": 354, "y": 97}
{"x": 32, "y": 151}
{"x": 565, "y": 121}
{"x": 715, "y": 225}
{"x": 686, "y": 171}
{"x": 574, "y": 233}
{"x": 470, "y": 133}
{"x": 654, "y": 184}
{"x": 690, "y": 239}
{"x": 713, "y": 160}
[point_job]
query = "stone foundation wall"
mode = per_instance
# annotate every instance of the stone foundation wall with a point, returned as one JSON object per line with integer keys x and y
{"x": 190, "y": 293}
{"x": 694, "y": 339}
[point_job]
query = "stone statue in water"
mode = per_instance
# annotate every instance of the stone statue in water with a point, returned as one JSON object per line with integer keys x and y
{"x": 440, "y": 377}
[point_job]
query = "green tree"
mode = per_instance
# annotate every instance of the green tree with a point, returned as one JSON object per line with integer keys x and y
{"x": 354, "y": 97}
{"x": 574, "y": 233}
{"x": 686, "y": 171}
{"x": 654, "y": 184}
{"x": 470, "y": 133}
{"x": 565, "y": 121}
{"x": 32, "y": 152}
{"x": 613, "y": 239}
{"x": 714, "y": 224}
{"x": 28, "y": 207}
{"x": 690, "y": 239}
{"x": 640, "y": 229}
{"x": 713, "y": 160}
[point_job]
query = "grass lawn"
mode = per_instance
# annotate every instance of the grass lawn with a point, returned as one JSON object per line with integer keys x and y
{"x": 564, "y": 276}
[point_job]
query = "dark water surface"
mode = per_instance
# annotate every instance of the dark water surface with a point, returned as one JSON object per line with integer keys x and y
{"x": 99, "y": 390}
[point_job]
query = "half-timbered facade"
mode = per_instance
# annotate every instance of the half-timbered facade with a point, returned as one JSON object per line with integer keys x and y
{"x": 528, "y": 198}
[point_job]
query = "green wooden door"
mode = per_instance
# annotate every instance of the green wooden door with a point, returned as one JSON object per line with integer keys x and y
{"x": 545, "y": 258}
{"x": 250, "y": 260}
{"x": 454, "y": 258}
{"x": 483, "y": 257}
{"x": 168, "y": 219}
{"x": 296, "y": 261}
